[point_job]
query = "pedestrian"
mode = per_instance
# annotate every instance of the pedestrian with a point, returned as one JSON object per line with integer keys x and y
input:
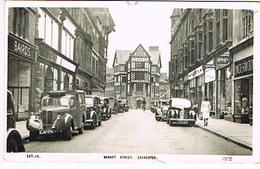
{"x": 205, "y": 110}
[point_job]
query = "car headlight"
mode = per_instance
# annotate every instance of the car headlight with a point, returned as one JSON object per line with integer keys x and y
{"x": 192, "y": 113}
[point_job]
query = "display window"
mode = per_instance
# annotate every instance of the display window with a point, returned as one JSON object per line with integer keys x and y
{"x": 19, "y": 83}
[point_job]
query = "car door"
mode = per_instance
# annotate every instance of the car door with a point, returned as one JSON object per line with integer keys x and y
{"x": 97, "y": 103}
{"x": 73, "y": 110}
{"x": 81, "y": 108}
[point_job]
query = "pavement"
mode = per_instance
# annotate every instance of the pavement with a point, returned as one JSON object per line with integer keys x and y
{"x": 237, "y": 133}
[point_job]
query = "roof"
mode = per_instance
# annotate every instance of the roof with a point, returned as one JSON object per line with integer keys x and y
{"x": 154, "y": 52}
{"x": 105, "y": 17}
{"x": 121, "y": 56}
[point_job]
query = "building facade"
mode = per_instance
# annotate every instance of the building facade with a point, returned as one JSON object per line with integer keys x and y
{"x": 136, "y": 75}
{"x": 109, "y": 91}
{"x": 202, "y": 58}
{"x": 65, "y": 49}
{"x": 164, "y": 87}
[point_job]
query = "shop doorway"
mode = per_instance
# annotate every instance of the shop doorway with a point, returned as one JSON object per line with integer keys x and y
{"x": 138, "y": 103}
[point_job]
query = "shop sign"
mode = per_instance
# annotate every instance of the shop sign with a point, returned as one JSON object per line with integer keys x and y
{"x": 210, "y": 64}
{"x": 244, "y": 66}
{"x": 210, "y": 75}
{"x": 223, "y": 59}
{"x": 195, "y": 73}
{"x": 20, "y": 46}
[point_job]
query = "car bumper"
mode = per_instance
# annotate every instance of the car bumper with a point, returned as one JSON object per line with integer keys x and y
{"x": 89, "y": 122}
{"x": 181, "y": 121}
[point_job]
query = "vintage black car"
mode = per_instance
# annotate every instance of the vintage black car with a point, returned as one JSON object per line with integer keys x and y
{"x": 93, "y": 111}
{"x": 61, "y": 113}
{"x": 106, "y": 108}
{"x": 154, "y": 106}
{"x": 14, "y": 140}
{"x": 162, "y": 110}
{"x": 122, "y": 106}
{"x": 180, "y": 112}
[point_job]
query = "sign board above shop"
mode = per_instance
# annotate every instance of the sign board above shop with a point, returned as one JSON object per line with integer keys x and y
{"x": 21, "y": 47}
{"x": 222, "y": 61}
{"x": 195, "y": 73}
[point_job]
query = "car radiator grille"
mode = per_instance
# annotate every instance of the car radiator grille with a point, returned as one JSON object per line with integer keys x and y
{"x": 47, "y": 118}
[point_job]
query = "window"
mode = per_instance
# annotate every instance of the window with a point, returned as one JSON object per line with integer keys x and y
{"x": 139, "y": 87}
{"x": 225, "y": 25}
{"x": 21, "y": 22}
{"x": 248, "y": 21}
{"x": 139, "y": 75}
{"x": 210, "y": 35}
{"x": 139, "y": 65}
{"x": 48, "y": 29}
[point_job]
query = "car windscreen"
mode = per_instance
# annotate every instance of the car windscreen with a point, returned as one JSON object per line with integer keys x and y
{"x": 89, "y": 101}
{"x": 62, "y": 101}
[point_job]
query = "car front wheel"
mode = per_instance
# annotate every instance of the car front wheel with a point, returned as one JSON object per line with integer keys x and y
{"x": 33, "y": 135}
{"x": 158, "y": 118}
{"x": 68, "y": 133}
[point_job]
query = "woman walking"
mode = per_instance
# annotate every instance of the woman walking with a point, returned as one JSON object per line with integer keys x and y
{"x": 205, "y": 110}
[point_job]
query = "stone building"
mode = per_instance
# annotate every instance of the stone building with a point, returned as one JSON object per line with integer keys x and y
{"x": 203, "y": 42}
{"x": 22, "y": 53}
{"x": 136, "y": 75}
{"x": 61, "y": 49}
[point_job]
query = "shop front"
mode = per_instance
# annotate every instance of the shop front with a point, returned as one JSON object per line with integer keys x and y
{"x": 243, "y": 90}
{"x": 21, "y": 60}
{"x": 210, "y": 84}
{"x": 243, "y": 81}
{"x": 196, "y": 82}
{"x": 53, "y": 70}
{"x": 224, "y": 87}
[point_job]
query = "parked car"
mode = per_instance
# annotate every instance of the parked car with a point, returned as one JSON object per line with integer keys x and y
{"x": 14, "y": 140}
{"x": 180, "y": 112}
{"x": 161, "y": 110}
{"x": 112, "y": 104}
{"x": 154, "y": 106}
{"x": 61, "y": 113}
{"x": 93, "y": 111}
{"x": 122, "y": 106}
{"x": 106, "y": 109}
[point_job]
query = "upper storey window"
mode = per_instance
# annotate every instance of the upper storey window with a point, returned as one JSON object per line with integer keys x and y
{"x": 48, "y": 29}
{"x": 21, "y": 18}
{"x": 248, "y": 21}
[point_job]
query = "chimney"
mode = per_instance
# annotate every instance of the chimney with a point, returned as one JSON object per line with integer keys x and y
{"x": 153, "y": 48}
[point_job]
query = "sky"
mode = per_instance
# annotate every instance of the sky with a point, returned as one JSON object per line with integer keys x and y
{"x": 143, "y": 23}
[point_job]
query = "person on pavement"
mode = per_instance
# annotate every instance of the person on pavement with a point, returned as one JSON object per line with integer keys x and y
{"x": 144, "y": 104}
{"x": 205, "y": 110}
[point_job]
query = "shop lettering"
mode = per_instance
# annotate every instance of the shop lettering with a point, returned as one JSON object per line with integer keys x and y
{"x": 222, "y": 60}
{"x": 21, "y": 48}
{"x": 244, "y": 67}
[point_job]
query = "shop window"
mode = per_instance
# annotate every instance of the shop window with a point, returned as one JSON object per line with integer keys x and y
{"x": 19, "y": 83}
{"x": 21, "y": 22}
